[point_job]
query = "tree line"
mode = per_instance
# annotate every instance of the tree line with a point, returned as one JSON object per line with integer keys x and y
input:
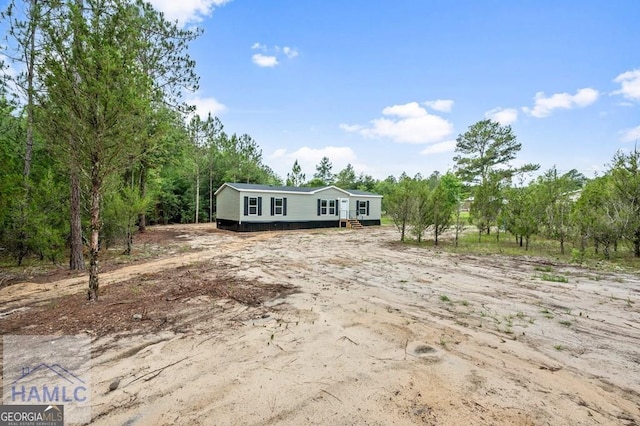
{"x": 96, "y": 143}
{"x": 95, "y": 138}
{"x": 600, "y": 212}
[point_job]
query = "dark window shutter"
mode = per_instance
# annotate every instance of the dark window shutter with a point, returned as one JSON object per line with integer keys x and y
{"x": 284, "y": 206}
{"x": 273, "y": 206}
{"x": 246, "y": 206}
{"x": 259, "y": 206}
{"x": 318, "y": 206}
{"x": 337, "y": 208}
{"x": 367, "y": 207}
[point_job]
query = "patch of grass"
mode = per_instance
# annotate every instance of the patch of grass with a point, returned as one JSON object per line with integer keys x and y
{"x": 509, "y": 320}
{"x": 445, "y": 298}
{"x": 558, "y": 347}
{"x": 386, "y": 220}
{"x": 547, "y": 313}
{"x": 469, "y": 243}
{"x": 543, "y": 268}
{"x": 554, "y": 278}
{"x": 566, "y": 323}
{"x": 465, "y": 303}
{"x": 443, "y": 342}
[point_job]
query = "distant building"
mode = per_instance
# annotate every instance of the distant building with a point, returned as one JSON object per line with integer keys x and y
{"x": 465, "y": 205}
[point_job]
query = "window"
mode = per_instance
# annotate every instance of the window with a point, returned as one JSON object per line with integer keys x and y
{"x": 327, "y": 207}
{"x": 253, "y": 206}
{"x": 362, "y": 208}
{"x": 278, "y": 206}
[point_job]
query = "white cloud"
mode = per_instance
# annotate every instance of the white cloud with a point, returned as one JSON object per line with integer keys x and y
{"x": 442, "y": 105}
{"x": 408, "y": 123}
{"x": 545, "y": 105}
{"x": 440, "y": 147}
{"x": 278, "y": 153}
{"x": 290, "y": 52}
{"x": 630, "y": 82}
{"x": 504, "y": 116}
{"x": 350, "y": 127}
{"x": 270, "y": 55}
{"x": 205, "y": 106}
{"x": 630, "y": 135}
{"x": 410, "y": 110}
{"x": 185, "y": 11}
{"x": 264, "y": 61}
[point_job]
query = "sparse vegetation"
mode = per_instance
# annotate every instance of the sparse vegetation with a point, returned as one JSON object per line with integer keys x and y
{"x": 554, "y": 278}
{"x": 443, "y": 341}
{"x": 543, "y": 268}
{"x": 547, "y": 313}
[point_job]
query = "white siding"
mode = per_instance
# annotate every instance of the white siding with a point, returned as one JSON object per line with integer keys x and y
{"x": 300, "y": 206}
{"x": 228, "y": 204}
{"x": 375, "y": 206}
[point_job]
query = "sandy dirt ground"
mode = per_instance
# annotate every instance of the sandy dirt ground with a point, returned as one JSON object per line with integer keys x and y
{"x": 346, "y": 327}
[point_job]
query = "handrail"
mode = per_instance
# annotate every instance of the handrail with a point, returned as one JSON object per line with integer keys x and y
{"x": 353, "y": 214}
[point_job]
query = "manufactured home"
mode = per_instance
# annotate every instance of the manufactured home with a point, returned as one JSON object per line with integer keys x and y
{"x": 249, "y": 207}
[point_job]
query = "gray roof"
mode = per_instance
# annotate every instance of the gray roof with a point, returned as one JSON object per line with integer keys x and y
{"x": 298, "y": 189}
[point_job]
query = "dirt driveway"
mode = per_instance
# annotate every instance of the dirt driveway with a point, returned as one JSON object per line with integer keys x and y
{"x": 347, "y": 327}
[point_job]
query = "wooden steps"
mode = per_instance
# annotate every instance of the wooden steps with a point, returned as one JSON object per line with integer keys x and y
{"x": 354, "y": 224}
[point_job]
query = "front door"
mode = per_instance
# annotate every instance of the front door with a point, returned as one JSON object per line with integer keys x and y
{"x": 344, "y": 208}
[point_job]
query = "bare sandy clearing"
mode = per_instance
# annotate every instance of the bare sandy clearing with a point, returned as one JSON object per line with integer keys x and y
{"x": 376, "y": 333}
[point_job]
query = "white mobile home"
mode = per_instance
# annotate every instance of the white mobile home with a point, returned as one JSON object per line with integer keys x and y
{"x": 250, "y": 207}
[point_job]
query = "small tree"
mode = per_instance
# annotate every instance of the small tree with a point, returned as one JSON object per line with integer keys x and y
{"x": 486, "y": 205}
{"x": 323, "y": 171}
{"x": 625, "y": 178}
{"x": 122, "y": 209}
{"x": 555, "y": 197}
{"x": 399, "y": 204}
{"x": 445, "y": 201}
{"x": 599, "y": 216}
{"x": 521, "y": 213}
{"x": 422, "y": 207}
{"x": 484, "y": 153}
{"x": 296, "y": 177}
{"x": 346, "y": 178}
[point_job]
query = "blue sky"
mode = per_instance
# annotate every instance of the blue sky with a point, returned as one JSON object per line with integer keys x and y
{"x": 388, "y": 86}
